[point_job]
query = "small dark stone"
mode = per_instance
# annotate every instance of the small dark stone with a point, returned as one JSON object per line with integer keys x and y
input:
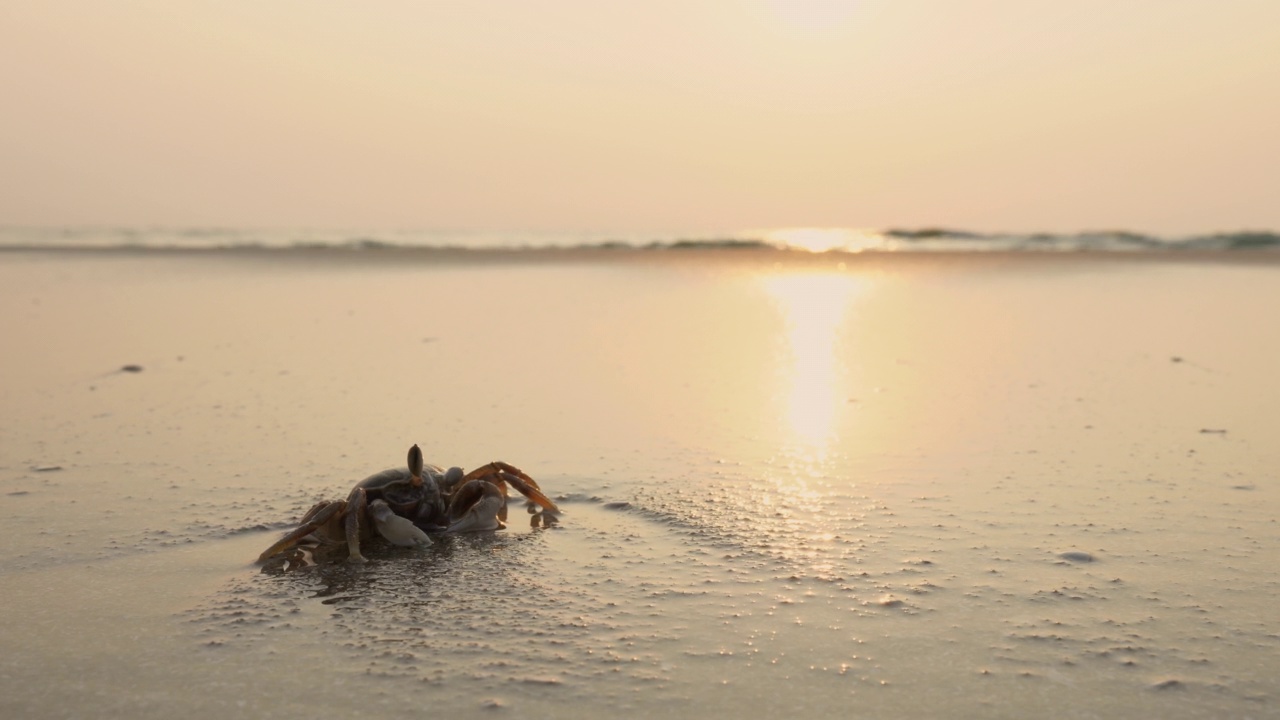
{"x": 1076, "y": 556}
{"x": 131, "y": 368}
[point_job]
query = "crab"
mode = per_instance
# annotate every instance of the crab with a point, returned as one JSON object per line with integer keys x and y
{"x": 402, "y": 505}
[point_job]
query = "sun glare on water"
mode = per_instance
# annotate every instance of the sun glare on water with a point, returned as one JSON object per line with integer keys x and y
{"x": 815, "y": 360}
{"x": 814, "y": 308}
{"x": 818, "y": 239}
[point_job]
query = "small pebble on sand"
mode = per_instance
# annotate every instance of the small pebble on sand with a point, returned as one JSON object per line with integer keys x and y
{"x": 1076, "y": 556}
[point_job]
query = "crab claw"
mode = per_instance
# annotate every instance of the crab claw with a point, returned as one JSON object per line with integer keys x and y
{"x": 395, "y": 529}
{"x": 475, "y": 507}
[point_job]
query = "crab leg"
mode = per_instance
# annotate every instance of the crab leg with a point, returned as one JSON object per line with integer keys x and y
{"x": 356, "y": 503}
{"x": 531, "y": 491}
{"x": 499, "y": 472}
{"x": 315, "y": 518}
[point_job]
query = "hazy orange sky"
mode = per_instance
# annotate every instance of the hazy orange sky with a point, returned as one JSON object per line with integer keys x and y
{"x": 571, "y": 115}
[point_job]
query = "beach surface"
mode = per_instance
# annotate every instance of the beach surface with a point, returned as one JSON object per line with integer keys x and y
{"x": 915, "y": 485}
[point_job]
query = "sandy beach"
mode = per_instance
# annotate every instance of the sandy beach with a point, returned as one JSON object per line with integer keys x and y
{"x": 919, "y": 486}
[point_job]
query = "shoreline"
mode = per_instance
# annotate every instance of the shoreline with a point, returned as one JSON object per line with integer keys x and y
{"x": 1018, "y": 484}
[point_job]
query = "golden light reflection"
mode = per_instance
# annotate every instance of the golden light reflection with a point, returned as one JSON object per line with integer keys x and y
{"x": 815, "y": 307}
{"x": 807, "y": 489}
{"x": 819, "y": 239}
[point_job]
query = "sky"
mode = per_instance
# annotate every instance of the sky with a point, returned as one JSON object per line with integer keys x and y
{"x": 1155, "y": 116}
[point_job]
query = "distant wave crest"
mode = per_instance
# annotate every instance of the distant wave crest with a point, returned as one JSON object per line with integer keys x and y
{"x": 813, "y": 240}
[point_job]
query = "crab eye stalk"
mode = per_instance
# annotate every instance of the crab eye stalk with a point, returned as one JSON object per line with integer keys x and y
{"x": 415, "y": 464}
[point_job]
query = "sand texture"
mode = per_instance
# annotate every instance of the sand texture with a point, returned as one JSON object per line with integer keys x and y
{"x": 931, "y": 486}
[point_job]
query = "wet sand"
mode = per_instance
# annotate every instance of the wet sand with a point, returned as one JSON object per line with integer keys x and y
{"x": 913, "y": 486}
